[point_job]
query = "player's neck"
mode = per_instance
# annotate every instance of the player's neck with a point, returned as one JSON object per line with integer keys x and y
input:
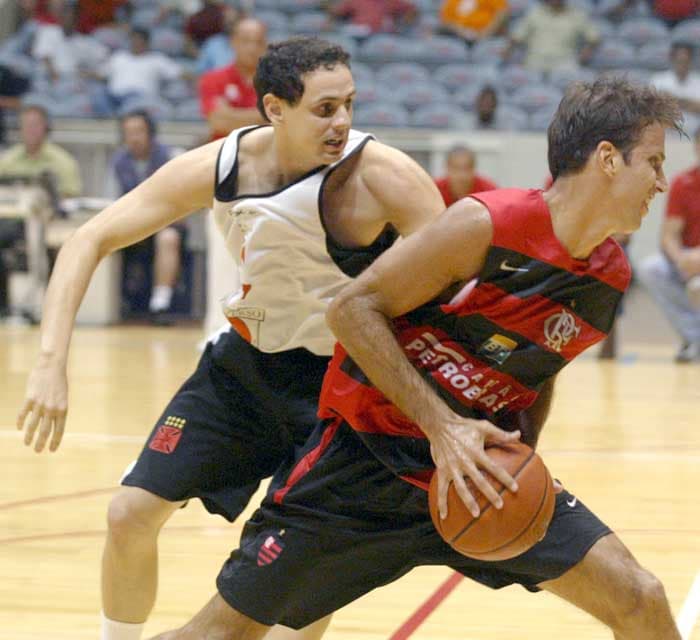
{"x": 578, "y": 220}
{"x": 290, "y": 165}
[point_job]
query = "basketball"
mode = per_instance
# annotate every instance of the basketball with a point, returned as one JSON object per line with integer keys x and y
{"x": 499, "y": 534}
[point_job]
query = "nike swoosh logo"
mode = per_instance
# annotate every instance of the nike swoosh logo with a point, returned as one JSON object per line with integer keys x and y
{"x": 572, "y": 502}
{"x": 506, "y": 267}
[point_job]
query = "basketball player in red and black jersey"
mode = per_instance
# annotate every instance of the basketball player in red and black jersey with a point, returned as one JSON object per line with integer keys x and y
{"x": 426, "y": 372}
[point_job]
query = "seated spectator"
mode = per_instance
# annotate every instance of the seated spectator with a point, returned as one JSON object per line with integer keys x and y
{"x": 43, "y": 11}
{"x": 672, "y": 276}
{"x": 485, "y": 109}
{"x": 551, "y": 32}
{"x": 473, "y": 21}
{"x": 63, "y": 51}
{"x": 100, "y": 13}
{"x": 680, "y": 81}
{"x": 12, "y": 86}
{"x": 461, "y": 179}
{"x": 374, "y": 16}
{"x": 216, "y": 51}
{"x": 675, "y": 11}
{"x": 227, "y": 95}
{"x": 34, "y": 157}
{"x": 207, "y": 22}
{"x": 141, "y": 155}
{"x": 618, "y": 10}
{"x": 138, "y": 72}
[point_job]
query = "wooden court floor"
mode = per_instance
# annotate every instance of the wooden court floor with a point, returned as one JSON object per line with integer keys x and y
{"x": 624, "y": 437}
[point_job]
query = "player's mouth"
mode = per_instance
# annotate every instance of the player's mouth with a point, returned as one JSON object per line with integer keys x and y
{"x": 334, "y": 145}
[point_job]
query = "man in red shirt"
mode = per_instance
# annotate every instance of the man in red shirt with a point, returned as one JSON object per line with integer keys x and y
{"x": 374, "y": 16}
{"x": 673, "y": 11}
{"x": 673, "y": 275}
{"x": 461, "y": 179}
{"x": 227, "y": 95}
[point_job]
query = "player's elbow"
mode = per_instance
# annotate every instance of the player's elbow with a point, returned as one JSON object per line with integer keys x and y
{"x": 337, "y": 313}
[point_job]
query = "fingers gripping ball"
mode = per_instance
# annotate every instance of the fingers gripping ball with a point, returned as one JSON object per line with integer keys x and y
{"x": 499, "y": 534}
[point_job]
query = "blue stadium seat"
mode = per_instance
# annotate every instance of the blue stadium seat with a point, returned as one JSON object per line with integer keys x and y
{"x": 539, "y": 120}
{"x": 188, "y": 110}
{"x": 367, "y": 92}
{"x": 687, "y": 31}
{"x": 298, "y": 6}
{"x": 158, "y": 108}
{"x": 514, "y": 77}
{"x": 76, "y": 106}
{"x": 536, "y": 97}
{"x": 510, "y": 118}
{"x": 467, "y": 95}
{"x": 274, "y": 20}
{"x": 455, "y": 77}
{"x": 563, "y": 77}
{"x": 440, "y": 50}
{"x": 381, "y": 114}
{"x": 168, "y": 41}
{"x": 519, "y": 7}
{"x": 308, "y": 22}
{"x": 438, "y": 116}
{"x": 145, "y": 17}
{"x": 419, "y": 94}
{"x": 361, "y": 72}
{"x": 489, "y": 51}
{"x": 640, "y": 31}
{"x": 654, "y": 56}
{"x": 384, "y": 48}
{"x": 342, "y": 40}
{"x": 614, "y": 54}
{"x": 397, "y": 74}
{"x": 177, "y": 91}
{"x": 110, "y": 37}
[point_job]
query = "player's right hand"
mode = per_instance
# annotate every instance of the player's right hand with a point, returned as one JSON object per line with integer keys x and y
{"x": 45, "y": 407}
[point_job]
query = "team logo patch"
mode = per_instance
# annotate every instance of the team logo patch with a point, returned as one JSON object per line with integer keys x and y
{"x": 559, "y": 329}
{"x": 269, "y": 551}
{"x": 168, "y": 435}
{"x": 497, "y": 348}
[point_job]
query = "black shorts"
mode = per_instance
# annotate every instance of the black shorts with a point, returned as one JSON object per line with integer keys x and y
{"x": 231, "y": 424}
{"x": 338, "y": 524}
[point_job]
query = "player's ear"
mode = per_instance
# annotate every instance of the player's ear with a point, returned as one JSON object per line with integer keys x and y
{"x": 273, "y": 107}
{"x": 608, "y": 157}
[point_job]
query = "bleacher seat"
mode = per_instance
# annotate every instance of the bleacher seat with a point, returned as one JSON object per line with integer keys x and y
{"x": 384, "y": 47}
{"x": 168, "y": 41}
{"x": 606, "y": 29}
{"x": 510, "y": 118}
{"x": 160, "y": 109}
{"x": 654, "y": 56}
{"x": 342, "y": 40}
{"x": 177, "y": 91}
{"x": 298, "y": 6}
{"x": 687, "y": 31}
{"x": 536, "y": 97}
{"x": 564, "y": 76}
{"x": 397, "y": 74}
{"x": 110, "y": 37}
{"x": 539, "y": 120}
{"x": 273, "y": 20}
{"x": 76, "y": 106}
{"x": 419, "y": 94}
{"x": 438, "y": 116}
{"x": 189, "y": 110}
{"x": 455, "y": 77}
{"x": 489, "y": 51}
{"x": 366, "y": 92}
{"x": 308, "y": 22}
{"x": 519, "y": 7}
{"x": 145, "y": 17}
{"x": 614, "y": 54}
{"x": 514, "y": 77}
{"x": 361, "y": 71}
{"x": 640, "y": 31}
{"x": 381, "y": 114}
{"x": 440, "y": 50}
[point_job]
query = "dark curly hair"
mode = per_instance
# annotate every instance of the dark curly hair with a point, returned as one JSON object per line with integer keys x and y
{"x": 610, "y": 108}
{"x": 281, "y": 69}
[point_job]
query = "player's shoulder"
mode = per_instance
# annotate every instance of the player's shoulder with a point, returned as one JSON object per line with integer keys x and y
{"x": 384, "y": 167}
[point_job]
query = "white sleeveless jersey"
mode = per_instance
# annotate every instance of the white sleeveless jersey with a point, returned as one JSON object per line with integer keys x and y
{"x": 288, "y": 274}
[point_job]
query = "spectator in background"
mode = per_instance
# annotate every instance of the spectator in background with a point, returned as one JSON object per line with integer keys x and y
{"x": 63, "y": 51}
{"x": 680, "y": 81}
{"x": 207, "y": 22}
{"x": 140, "y": 156}
{"x": 672, "y": 276}
{"x": 485, "y": 109}
{"x": 34, "y": 157}
{"x": 216, "y": 51}
{"x": 461, "y": 179}
{"x": 12, "y": 86}
{"x": 473, "y": 21}
{"x": 100, "y": 13}
{"x": 35, "y": 154}
{"x": 674, "y": 11}
{"x": 374, "y": 16}
{"x": 551, "y": 32}
{"x": 138, "y": 72}
{"x": 227, "y": 95}
{"x": 43, "y": 11}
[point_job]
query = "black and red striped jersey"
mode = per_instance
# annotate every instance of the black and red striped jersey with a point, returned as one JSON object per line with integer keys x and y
{"x": 532, "y": 310}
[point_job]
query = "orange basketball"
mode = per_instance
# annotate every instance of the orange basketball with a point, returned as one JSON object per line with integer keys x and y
{"x": 499, "y": 534}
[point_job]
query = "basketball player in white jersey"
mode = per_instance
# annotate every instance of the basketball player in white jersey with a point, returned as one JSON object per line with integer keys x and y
{"x": 304, "y": 205}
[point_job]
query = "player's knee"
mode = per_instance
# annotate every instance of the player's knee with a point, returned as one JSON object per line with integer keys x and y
{"x": 129, "y": 518}
{"x": 168, "y": 240}
{"x": 644, "y": 599}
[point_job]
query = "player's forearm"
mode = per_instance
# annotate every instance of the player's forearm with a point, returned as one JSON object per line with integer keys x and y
{"x": 368, "y": 337}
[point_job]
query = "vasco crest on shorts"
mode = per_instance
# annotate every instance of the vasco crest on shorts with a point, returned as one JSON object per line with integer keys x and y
{"x": 168, "y": 435}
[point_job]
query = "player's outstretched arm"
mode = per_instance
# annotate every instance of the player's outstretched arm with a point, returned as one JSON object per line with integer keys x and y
{"x": 452, "y": 249}
{"x": 183, "y": 185}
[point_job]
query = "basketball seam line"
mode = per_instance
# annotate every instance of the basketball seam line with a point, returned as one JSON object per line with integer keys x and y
{"x": 489, "y": 505}
{"x": 527, "y": 527}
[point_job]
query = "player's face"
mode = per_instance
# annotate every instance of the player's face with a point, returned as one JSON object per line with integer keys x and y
{"x": 249, "y": 42}
{"x": 641, "y": 178}
{"x": 320, "y": 122}
{"x": 32, "y": 129}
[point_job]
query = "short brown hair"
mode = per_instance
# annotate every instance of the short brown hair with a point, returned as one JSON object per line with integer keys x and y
{"x": 610, "y": 108}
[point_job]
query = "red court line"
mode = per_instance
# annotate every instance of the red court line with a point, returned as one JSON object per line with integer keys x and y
{"x": 432, "y": 603}
{"x": 58, "y": 498}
